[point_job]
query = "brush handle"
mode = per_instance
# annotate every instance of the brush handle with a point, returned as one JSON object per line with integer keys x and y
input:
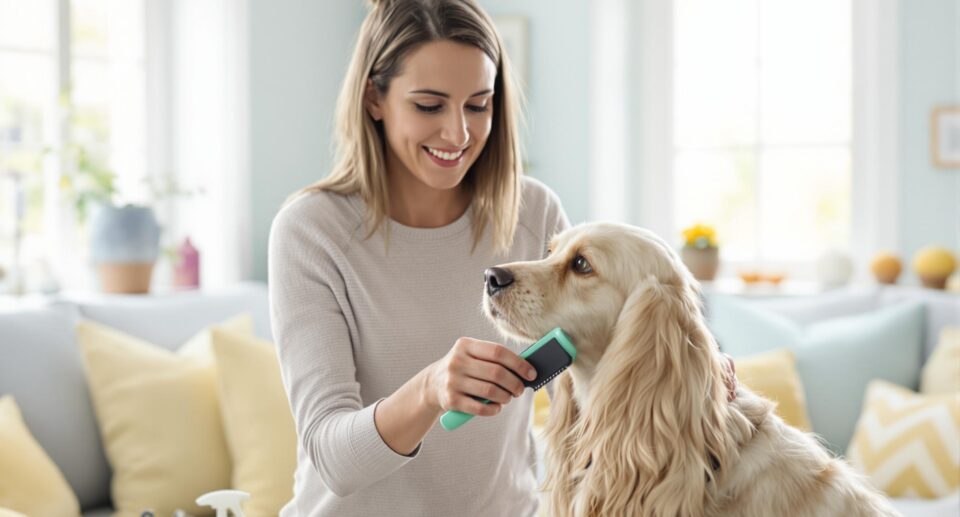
{"x": 453, "y": 419}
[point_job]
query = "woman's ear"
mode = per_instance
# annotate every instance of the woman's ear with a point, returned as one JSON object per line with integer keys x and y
{"x": 372, "y": 101}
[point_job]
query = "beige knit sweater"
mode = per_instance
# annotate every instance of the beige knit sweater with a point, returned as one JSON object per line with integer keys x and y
{"x": 352, "y": 324}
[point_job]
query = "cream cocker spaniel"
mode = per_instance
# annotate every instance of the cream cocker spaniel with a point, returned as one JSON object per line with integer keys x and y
{"x": 641, "y": 424}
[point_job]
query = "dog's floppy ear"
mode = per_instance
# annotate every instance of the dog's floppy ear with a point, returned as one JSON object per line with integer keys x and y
{"x": 654, "y": 427}
{"x": 561, "y": 451}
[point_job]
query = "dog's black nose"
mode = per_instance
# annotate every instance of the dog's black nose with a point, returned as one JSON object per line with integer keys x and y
{"x": 497, "y": 278}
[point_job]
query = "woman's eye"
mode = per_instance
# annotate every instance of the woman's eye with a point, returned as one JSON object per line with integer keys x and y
{"x": 436, "y": 108}
{"x": 580, "y": 265}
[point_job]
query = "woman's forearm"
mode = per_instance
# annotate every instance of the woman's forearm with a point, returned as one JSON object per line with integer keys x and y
{"x": 407, "y": 415}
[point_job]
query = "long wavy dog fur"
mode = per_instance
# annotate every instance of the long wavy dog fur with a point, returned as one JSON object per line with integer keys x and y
{"x": 641, "y": 424}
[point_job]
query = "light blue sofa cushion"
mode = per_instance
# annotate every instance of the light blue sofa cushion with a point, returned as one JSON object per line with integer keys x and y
{"x": 40, "y": 366}
{"x": 836, "y": 358}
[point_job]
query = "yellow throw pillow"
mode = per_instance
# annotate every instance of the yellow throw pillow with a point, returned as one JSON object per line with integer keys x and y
{"x": 261, "y": 435}
{"x": 774, "y": 375}
{"x": 941, "y": 374}
{"x": 908, "y": 444}
{"x": 30, "y": 482}
{"x": 159, "y": 418}
{"x": 541, "y": 409}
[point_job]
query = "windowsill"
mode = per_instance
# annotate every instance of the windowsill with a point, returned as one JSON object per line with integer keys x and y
{"x": 737, "y": 287}
{"x": 795, "y": 288}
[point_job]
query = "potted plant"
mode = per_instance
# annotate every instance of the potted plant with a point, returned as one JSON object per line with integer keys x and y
{"x": 700, "y": 252}
{"x": 124, "y": 237}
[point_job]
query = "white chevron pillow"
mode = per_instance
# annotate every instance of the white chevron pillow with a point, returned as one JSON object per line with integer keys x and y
{"x": 908, "y": 444}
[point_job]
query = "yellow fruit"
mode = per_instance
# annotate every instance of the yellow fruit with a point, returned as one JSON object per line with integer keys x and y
{"x": 934, "y": 261}
{"x": 886, "y": 267}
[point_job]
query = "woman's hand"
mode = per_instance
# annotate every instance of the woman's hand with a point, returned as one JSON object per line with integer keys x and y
{"x": 475, "y": 368}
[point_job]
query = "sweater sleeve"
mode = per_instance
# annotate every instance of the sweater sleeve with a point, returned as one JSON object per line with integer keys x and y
{"x": 307, "y": 296}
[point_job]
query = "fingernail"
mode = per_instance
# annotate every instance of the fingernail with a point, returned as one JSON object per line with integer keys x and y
{"x": 531, "y": 375}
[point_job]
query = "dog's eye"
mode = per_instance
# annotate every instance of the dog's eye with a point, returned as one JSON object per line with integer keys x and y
{"x": 580, "y": 265}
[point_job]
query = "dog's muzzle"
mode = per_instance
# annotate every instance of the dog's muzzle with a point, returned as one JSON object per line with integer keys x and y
{"x": 497, "y": 278}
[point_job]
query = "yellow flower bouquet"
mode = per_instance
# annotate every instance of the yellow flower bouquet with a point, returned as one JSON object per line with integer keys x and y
{"x": 700, "y": 252}
{"x": 700, "y": 236}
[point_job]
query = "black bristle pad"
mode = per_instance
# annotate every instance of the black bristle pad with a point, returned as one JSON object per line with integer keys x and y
{"x": 549, "y": 360}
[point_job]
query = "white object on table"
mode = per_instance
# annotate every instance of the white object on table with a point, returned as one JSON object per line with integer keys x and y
{"x": 223, "y": 500}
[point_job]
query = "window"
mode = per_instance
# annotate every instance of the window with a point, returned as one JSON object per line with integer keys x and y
{"x": 107, "y": 77}
{"x": 28, "y": 123}
{"x": 88, "y": 61}
{"x": 762, "y": 125}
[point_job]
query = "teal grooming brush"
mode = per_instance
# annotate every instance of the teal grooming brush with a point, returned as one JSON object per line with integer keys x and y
{"x": 549, "y": 356}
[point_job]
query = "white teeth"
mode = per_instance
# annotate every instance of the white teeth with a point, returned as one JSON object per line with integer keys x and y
{"x": 445, "y": 156}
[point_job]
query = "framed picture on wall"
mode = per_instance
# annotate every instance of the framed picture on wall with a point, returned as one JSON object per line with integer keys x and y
{"x": 513, "y": 30}
{"x": 945, "y": 137}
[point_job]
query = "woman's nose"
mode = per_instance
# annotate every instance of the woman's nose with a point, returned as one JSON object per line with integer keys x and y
{"x": 455, "y": 130}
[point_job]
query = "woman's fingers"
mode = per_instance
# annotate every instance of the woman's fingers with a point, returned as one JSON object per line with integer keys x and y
{"x": 497, "y": 353}
{"x": 476, "y": 370}
{"x": 495, "y": 374}
{"x": 485, "y": 390}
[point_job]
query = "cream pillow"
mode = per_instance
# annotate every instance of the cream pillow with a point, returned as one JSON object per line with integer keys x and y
{"x": 908, "y": 444}
{"x": 30, "y": 482}
{"x": 6, "y": 512}
{"x": 774, "y": 375}
{"x": 159, "y": 417}
{"x": 259, "y": 427}
{"x": 941, "y": 374}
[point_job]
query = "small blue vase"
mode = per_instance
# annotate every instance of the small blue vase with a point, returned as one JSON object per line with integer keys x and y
{"x": 127, "y": 234}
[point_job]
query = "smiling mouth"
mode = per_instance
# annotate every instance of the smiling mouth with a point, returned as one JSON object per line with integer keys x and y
{"x": 445, "y": 159}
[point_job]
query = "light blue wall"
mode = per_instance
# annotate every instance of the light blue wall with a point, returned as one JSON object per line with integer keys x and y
{"x": 558, "y": 112}
{"x": 299, "y": 51}
{"x": 929, "y": 76}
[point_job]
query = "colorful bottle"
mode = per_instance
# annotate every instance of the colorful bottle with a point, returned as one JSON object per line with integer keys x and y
{"x": 186, "y": 273}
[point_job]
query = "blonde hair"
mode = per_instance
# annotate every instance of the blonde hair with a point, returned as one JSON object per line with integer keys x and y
{"x": 390, "y": 32}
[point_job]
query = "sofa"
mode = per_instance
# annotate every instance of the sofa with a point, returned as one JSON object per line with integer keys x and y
{"x": 40, "y": 364}
{"x": 845, "y": 341}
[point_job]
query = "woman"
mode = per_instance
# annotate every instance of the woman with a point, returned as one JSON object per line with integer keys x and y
{"x": 375, "y": 278}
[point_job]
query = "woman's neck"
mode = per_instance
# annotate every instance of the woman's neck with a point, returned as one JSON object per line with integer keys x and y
{"x": 415, "y": 204}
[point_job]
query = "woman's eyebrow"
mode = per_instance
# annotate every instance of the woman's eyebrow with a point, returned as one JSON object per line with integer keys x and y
{"x": 447, "y": 96}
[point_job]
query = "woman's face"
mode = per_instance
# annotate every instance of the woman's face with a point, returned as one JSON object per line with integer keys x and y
{"x": 437, "y": 113}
